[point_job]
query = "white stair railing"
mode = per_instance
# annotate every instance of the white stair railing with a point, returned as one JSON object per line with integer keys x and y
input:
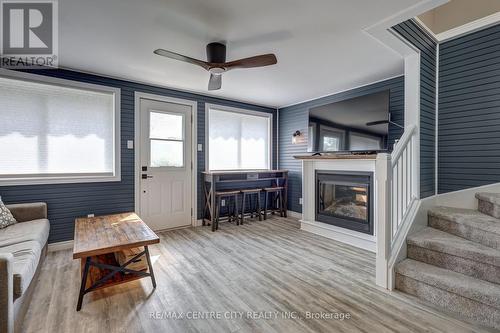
{"x": 397, "y": 191}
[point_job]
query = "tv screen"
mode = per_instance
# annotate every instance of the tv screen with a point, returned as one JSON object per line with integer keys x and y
{"x": 357, "y": 124}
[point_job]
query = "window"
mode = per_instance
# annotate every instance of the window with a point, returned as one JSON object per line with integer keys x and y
{"x": 238, "y": 139}
{"x": 360, "y": 141}
{"x": 331, "y": 139}
{"x": 54, "y": 131}
{"x": 166, "y": 132}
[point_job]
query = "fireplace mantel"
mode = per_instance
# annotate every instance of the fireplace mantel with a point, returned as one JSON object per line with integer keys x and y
{"x": 337, "y": 157}
{"x": 342, "y": 164}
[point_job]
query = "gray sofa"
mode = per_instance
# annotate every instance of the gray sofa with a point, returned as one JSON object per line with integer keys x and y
{"x": 23, "y": 247}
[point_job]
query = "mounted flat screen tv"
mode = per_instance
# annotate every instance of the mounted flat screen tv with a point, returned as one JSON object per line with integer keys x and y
{"x": 359, "y": 124}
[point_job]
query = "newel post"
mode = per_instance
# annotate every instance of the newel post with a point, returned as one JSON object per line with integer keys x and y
{"x": 383, "y": 171}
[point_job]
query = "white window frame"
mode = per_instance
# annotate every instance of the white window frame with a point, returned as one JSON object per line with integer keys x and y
{"x": 35, "y": 179}
{"x": 219, "y": 107}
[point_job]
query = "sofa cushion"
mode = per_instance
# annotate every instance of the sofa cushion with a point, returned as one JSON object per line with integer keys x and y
{"x": 36, "y": 230}
{"x": 6, "y": 218}
{"x": 26, "y": 258}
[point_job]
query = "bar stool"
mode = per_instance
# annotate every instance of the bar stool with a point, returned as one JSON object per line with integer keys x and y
{"x": 228, "y": 195}
{"x": 277, "y": 197}
{"x": 256, "y": 208}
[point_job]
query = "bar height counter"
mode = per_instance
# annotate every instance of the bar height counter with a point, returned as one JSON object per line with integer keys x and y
{"x": 237, "y": 180}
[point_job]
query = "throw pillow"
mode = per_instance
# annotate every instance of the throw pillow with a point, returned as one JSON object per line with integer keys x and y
{"x": 6, "y": 217}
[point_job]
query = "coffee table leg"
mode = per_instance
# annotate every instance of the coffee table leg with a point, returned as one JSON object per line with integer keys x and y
{"x": 84, "y": 283}
{"x": 150, "y": 266}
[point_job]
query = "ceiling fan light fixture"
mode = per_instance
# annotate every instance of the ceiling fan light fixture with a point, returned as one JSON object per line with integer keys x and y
{"x": 217, "y": 70}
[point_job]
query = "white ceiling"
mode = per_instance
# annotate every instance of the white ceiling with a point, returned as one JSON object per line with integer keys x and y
{"x": 320, "y": 45}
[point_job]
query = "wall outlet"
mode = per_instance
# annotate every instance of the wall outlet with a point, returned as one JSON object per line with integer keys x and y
{"x": 90, "y": 215}
{"x": 300, "y": 201}
{"x": 223, "y": 203}
{"x": 130, "y": 144}
{"x": 200, "y": 147}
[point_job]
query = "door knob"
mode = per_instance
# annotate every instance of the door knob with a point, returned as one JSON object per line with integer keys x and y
{"x": 144, "y": 176}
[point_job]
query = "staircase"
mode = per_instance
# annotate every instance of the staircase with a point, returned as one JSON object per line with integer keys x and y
{"x": 455, "y": 261}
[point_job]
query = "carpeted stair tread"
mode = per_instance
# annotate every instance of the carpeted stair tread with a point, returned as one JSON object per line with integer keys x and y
{"x": 440, "y": 241}
{"x": 475, "y": 289}
{"x": 493, "y": 198}
{"x": 466, "y": 223}
{"x": 489, "y": 204}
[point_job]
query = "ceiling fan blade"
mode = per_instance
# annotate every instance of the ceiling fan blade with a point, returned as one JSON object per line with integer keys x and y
{"x": 378, "y": 122}
{"x": 215, "y": 82}
{"x": 257, "y": 61}
{"x": 180, "y": 57}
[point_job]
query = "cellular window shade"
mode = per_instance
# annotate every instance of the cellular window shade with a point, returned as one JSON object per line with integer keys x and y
{"x": 238, "y": 141}
{"x": 48, "y": 129}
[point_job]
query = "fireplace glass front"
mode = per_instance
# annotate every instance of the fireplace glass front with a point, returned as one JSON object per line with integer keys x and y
{"x": 345, "y": 200}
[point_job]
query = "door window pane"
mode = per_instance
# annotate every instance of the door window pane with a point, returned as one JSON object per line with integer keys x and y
{"x": 167, "y": 154}
{"x": 166, "y": 126}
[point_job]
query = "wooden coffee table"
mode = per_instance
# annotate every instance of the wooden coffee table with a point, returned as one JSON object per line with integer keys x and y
{"x": 96, "y": 241}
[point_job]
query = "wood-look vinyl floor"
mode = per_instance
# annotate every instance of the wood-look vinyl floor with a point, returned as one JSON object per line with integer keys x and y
{"x": 269, "y": 268}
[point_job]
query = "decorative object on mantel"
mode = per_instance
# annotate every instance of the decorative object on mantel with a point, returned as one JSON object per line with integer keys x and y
{"x": 297, "y": 137}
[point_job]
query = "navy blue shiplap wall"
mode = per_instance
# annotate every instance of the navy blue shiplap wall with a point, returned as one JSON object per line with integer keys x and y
{"x": 469, "y": 111}
{"x": 427, "y": 46}
{"x": 296, "y": 117}
{"x": 68, "y": 201}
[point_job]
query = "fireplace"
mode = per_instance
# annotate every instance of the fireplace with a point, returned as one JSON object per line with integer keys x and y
{"x": 345, "y": 199}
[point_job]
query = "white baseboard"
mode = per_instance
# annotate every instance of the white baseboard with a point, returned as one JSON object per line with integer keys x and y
{"x": 60, "y": 246}
{"x": 357, "y": 239}
{"x": 293, "y": 214}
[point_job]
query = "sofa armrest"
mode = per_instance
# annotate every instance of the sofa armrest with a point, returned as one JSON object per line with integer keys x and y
{"x": 6, "y": 293}
{"x": 28, "y": 211}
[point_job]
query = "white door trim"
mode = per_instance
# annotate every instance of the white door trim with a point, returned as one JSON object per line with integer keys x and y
{"x": 137, "y": 146}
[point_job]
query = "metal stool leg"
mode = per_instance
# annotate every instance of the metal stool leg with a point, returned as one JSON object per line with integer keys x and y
{"x": 280, "y": 195}
{"x": 252, "y": 206}
{"x": 258, "y": 207}
{"x": 265, "y": 205}
{"x": 230, "y": 210}
{"x": 283, "y": 193}
{"x": 236, "y": 210}
{"x": 216, "y": 209}
{"x": 242, "y": 210}
{"x": 218, "y": 214}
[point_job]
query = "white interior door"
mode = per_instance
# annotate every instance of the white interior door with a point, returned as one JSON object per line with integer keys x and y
{"x": 165, "y": 171}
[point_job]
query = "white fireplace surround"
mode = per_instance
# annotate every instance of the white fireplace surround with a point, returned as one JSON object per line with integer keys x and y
{"x": 308, "y": 222}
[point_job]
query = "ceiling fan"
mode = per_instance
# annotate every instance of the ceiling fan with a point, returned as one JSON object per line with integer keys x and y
{"x": 216, "y": 62}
